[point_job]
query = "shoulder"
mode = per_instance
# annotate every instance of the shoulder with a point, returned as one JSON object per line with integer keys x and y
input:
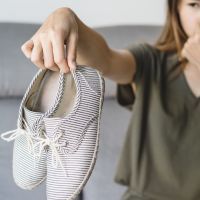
{"x": 143, "y": 46}
{"x": 148, "y": 61}
{"x": 146, "y": 53}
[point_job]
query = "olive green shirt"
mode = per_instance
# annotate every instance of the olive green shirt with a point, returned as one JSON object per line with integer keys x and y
{"x": 160, "y": 159}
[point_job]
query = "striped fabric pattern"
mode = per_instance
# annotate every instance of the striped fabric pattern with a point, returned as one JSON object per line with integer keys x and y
{"x": 27, "y": 171}
{"x": 73, "y": 140}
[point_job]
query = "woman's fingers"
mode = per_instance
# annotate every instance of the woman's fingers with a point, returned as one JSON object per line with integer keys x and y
{"x": 37, "y": 55}
{"x": 27, "y": 48}
{"x": 59, "y": 51}
{"x": 71, "y": 50}
{"x": 54, "y": 45}
{"x": 48, "y": 53}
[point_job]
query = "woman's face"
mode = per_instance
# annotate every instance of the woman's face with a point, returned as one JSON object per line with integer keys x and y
{"x": 189, "y": 12}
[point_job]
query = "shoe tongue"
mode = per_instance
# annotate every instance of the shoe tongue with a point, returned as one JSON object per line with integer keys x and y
{"x": 31, "y": 116}
{"x": 51, "y": 125}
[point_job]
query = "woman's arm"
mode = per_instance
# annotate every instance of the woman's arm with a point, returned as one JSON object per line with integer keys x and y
{"x": 83, "y": 46}
{"x": 116, "y": 64}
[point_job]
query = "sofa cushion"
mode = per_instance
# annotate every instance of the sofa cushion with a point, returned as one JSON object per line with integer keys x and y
{"x": 16, "y": 69}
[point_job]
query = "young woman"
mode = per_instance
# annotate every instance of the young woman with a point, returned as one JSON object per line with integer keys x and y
{"x": 160, "y": 157}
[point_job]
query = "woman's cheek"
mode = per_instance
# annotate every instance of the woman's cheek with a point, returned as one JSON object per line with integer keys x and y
{"x": 187, "y": 19}
{"x": 188, "y": 24}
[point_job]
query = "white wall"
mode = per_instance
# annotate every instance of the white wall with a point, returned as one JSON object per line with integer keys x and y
{"x": 92, "y": 12}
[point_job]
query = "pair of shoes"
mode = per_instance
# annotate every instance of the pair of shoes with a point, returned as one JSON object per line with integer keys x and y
{"x": 58, "y": 142}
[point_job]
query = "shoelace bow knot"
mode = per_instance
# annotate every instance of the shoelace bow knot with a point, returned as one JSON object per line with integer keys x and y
{"x": 54, "y": 145}
{"x": 41, "y": 143}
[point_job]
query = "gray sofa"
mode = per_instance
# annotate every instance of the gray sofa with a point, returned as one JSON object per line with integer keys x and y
{"x": 16, "y": 71}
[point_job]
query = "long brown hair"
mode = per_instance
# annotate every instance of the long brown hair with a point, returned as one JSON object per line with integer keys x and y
{"x": 173, "y": 36}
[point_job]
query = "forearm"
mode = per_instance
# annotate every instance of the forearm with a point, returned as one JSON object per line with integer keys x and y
{"x": 92, "y": 49}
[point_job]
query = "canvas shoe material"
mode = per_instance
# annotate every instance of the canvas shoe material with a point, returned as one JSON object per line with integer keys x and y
{"x": 72, "y": 136}
{"x": 28, "y": 170}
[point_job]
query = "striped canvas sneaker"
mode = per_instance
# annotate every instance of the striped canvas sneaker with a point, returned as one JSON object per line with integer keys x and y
{"x": 28, "y": 170}
{"x": 72, "y": 134}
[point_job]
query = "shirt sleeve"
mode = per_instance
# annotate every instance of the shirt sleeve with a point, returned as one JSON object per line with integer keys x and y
{"x": 143, "y": 55}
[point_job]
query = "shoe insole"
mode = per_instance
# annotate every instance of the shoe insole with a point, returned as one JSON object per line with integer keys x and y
{"x": 45, "y": 96}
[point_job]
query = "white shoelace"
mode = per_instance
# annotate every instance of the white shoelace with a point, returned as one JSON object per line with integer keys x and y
{"x": 54, "y": 145}
{"x": 18, "y": 132}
